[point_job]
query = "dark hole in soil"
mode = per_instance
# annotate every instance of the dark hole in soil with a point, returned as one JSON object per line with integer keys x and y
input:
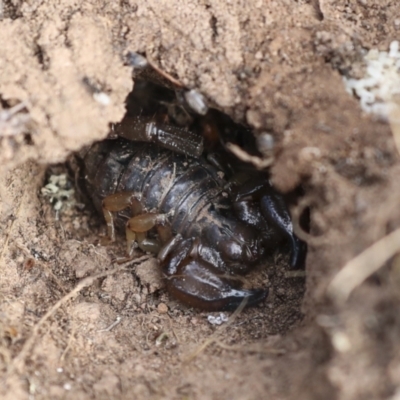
{"x": 161, "y": 106}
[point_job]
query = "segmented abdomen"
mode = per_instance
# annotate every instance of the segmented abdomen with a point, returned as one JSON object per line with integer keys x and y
{"x": 164, "y": 182}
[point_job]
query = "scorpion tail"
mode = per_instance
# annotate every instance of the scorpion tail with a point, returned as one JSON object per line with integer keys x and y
{"x": 276, "y": 213}
{"x": 297, "y": 250}
{"x": 198, "y": 284}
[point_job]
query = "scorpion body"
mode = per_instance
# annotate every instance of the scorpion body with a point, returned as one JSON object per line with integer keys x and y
{"x": 154, "y": 180}
{"x": 210, "y": 229}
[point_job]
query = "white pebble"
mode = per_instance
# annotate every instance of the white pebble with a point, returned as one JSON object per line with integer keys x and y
{"x": 102, "y": 98}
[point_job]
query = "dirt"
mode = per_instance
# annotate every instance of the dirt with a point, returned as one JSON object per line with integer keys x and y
{"x": 75, "y": 325}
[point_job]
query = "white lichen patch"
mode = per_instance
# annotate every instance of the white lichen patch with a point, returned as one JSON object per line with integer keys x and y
{"x": 379, "y": 89}
{"x": 59, "y": 191}
{"x": 217, "y": 320}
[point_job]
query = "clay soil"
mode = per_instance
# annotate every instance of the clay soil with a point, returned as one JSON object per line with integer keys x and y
{"x": 73, "y": 325}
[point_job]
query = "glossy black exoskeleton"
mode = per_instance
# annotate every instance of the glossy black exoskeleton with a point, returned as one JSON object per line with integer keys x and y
{"x": 208, "y": 221}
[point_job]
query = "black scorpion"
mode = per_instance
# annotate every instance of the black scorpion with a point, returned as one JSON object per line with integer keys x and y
{"x": 207, "y": 229}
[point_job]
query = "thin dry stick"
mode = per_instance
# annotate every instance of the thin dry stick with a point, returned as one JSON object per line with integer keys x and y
{"x": 364, "y": 265}
{"x": 172, "y": 329}
{"x": 213, "y": 337}
{"x": 69, "y": 344}
{"x": 17, "y": 362}
{"x": 43, "y": 264}
{"x": 251, "y": 348}
{"x": 394, "y": 121}
{"x": 166, "y": 75}
{"x": 311, "y": 240}
{"x": 258, "y": 162}
{"x": 8, "y": 234}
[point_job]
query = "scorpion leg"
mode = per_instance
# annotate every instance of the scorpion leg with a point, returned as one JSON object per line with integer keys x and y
{"x": 118, "y": 202}
{"x": 200, "y": 284}
{"x": 137, "y": 226}
{"x": 141, "y": 224}
{"x": 145, "y": 129}
{"x": 257, "y": 199}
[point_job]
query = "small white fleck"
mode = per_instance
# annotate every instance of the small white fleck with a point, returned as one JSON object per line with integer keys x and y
{"x": 218, "y": 320}
{"x": 341, "y": 342}
{"x": 58, "y": 205}
{"x": 60, "y": 370}
{"x": 67, "y": 386}
{"x": 102, "y": 98}
{"x": 394, "y": 49}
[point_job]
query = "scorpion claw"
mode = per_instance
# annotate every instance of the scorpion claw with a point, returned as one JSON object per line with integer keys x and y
{"x": 257, "y": 201}
{"x": 236, "y": 297}
{"x": 199, "y": 284}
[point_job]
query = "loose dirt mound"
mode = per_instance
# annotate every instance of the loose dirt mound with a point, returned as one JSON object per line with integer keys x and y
{"x": 274, "y": 65}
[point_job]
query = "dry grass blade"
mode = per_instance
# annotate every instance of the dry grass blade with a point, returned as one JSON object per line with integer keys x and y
{"x": 18, "y": 360}
{"x": 214, "y": 337}
{"x": 10, "y": 229}
{"x": 394, "y": 121}
{"x": 256, "y": 348}
{"x": 364, "y": 265}
{"x": 12, "y": 121}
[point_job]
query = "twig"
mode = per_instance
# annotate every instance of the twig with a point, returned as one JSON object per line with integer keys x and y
{"x": 213, "y": 337}
{"x": 172, "y": 329}
{"x": 297, "y": 211}
{"x": 8, "y": 234}
{"x": 258, "y": 162}
{"x": 42, "y": 264}
{"x": 16, "y": 363}
{"x": 362, "y": 266}
{"x": 295, "y": 274}
{"x": 258, "y": 348}
{"x": 394, "y": 121}
{"x": 69, "y": 344}
{"x": 114, "y": 324}
{"x": 166, "y": 75}
{"x": 7, "y": 120}
{"x": 9, "y": 112}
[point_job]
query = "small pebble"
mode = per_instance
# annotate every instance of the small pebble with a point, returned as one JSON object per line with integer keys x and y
{"x": 162, "y": 308}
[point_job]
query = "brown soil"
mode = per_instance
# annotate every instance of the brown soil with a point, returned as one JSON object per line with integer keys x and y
{"x": 276, "y": 65}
